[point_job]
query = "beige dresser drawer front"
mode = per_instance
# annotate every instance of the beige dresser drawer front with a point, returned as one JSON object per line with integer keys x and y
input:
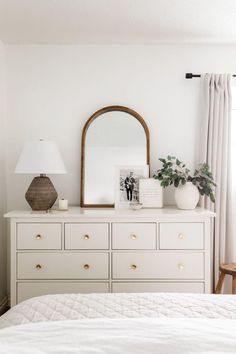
{"x": 62, "y": 265}
{"x": 157, "y": 287}
{"x": 163, "y": 265}
{"x": 182, "y": 236}
{"x": 134, "y": 236}
{"x": 39, "y": 236}
{"x": 31, "y": 289}
{"x": 86, "y": 236}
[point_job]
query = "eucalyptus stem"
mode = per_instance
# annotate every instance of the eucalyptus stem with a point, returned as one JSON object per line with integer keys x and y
{"x": 174, "y": 172}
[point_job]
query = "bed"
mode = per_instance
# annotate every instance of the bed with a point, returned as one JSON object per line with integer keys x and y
{"x": 121, "y": 323}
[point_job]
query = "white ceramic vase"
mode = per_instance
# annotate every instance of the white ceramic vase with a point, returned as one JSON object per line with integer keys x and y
{"x": 186, "y": 196}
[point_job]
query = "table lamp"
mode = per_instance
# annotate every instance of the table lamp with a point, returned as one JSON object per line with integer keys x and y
{"x": 40, "y": 157}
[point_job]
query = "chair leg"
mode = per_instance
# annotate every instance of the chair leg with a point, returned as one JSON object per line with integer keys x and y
{"x": 234, "y": 284}
{"x": 220, "y": 283}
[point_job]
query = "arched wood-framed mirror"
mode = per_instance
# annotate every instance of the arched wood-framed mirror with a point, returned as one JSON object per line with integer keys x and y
{"x": 112, "y": 136}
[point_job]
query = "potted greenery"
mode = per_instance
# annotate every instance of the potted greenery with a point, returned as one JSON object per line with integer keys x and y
{"x": 174, "y": 172}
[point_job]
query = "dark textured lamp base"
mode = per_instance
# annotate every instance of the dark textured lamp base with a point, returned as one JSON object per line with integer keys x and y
{"x": 41, "y": 194}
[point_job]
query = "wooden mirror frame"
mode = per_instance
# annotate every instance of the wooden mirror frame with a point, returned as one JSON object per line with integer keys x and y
{"x": 84, "y": 132}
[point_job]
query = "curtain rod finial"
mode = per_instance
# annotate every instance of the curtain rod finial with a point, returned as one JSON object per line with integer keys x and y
{"x": 188, "y": 76}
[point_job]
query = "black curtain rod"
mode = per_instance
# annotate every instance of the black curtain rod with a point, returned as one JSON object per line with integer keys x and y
{"x": 191, "y": 76}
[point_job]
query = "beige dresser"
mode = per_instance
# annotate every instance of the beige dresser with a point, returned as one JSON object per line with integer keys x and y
{"x": 109, "y": 250}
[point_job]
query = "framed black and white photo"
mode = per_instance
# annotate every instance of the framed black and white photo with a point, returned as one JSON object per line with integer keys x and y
{"x": 127, "y": 184}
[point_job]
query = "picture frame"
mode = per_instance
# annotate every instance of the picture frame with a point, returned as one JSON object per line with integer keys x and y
{"x": 127, "y": 184}
{"x": 150, "y": 193}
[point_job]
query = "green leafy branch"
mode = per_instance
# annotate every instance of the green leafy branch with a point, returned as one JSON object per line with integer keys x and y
{"x": 174, "y": 172}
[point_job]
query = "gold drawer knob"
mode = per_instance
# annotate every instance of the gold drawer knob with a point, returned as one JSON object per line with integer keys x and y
{"x": 181, "y": 236}
{"x": 38, "y": 266}
{"x": 133, "y": 237}
{"x": 86, "y": 266}
{"x": 181, "y": 266}
{"x": 86, "y": 237}
{"x": 133, "y": 266}
{"x": 38, "y": 237}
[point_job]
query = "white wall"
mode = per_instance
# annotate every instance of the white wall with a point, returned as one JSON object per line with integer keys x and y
{"x": 52, "y": 91}
{"x": 2, "y": 177}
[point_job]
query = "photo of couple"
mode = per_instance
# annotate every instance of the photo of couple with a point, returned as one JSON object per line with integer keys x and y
{"x": 129, "y": 183}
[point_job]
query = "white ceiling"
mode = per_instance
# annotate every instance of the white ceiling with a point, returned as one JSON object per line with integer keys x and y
{"x": 117, "y": 21}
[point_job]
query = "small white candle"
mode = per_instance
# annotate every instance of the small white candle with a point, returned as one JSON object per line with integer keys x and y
{"x": 63, "y": 204}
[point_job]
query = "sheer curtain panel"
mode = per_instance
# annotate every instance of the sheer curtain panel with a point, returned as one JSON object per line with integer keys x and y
{"x": 215, "y": 149}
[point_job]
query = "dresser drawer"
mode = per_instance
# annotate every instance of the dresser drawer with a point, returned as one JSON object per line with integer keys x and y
{"x": 172, "y": 287}
{"x": 39, "y": 236}
{"x": 164, "y": 265}
{"x": 134, "y": 235}
{"x": 181, "y": 236}
{"x": 62, "y": 265}
{"x": 86, "y": 236}
{"x": 32, "y": 289}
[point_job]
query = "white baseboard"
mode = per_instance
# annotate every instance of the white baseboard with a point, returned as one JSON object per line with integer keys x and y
{"x": 3, "y": 305}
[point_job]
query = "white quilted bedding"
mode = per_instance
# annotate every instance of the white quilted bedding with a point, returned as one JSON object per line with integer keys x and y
{"x": 121, "y": 336}
{"x": 145, "y": 305}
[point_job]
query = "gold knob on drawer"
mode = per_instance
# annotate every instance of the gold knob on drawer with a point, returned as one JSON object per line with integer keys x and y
{"x": 133, "y": 266}
{"x": 181, "y": 236}
{"x": 133, "y": 237}
{"x": 181, "y": 266}
{"x": 86, "y": 237}
{"x": 86, "y": 266}
{"x": 38, "y": 266}
{"x": 38, "y": 237}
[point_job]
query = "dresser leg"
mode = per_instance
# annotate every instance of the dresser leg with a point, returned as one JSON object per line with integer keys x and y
{"x": 220, "y": 283}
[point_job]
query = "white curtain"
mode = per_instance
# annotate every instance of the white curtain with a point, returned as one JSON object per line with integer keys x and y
{"x": 215, "y": 149}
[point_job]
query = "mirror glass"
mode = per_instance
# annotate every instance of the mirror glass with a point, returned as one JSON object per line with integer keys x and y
{"x": 114, "y": 138}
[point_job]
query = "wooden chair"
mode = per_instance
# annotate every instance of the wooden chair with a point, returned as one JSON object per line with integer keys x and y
{"x": 230, "y": 269}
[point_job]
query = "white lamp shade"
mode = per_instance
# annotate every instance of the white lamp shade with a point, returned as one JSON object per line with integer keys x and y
{"x": 40, "y": 157}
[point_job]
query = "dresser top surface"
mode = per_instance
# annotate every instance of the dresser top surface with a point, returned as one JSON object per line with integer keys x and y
{"x": 77, "y": 212}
